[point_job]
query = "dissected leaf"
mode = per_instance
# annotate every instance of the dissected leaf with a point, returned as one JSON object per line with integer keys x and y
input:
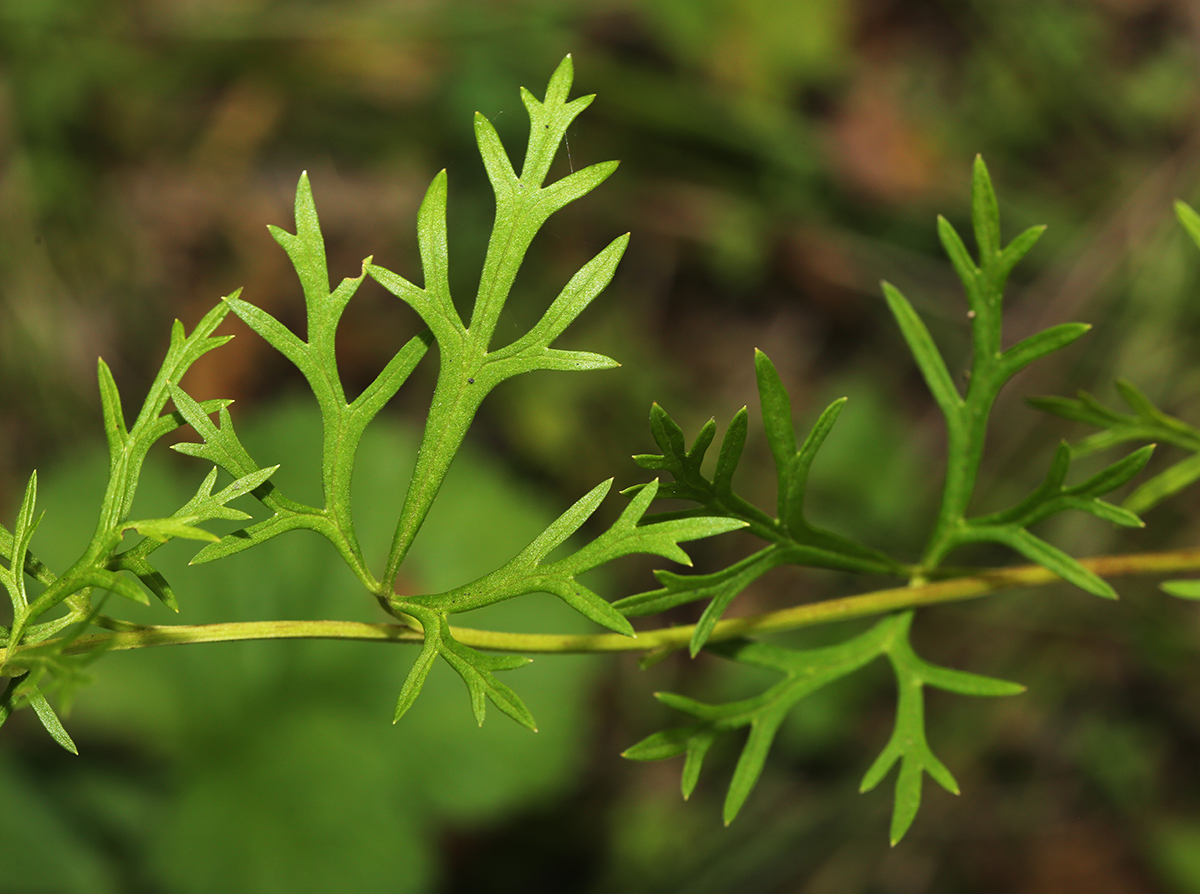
{"x": 805, "y": 671}
{"x": 908, "y": 744}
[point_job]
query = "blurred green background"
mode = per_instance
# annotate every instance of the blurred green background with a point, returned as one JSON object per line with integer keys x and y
{"x": 779, "y": 158}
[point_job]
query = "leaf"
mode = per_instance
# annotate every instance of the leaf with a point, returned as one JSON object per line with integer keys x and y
{"x": 574, "y": 186}
{"x": 416, "y": 678}
{"x": 306, "y": 249}
{"x": 805, "y": 671}
{"x": 114, "y": 418}
{"x": 1183, "y": 589}
{"x": 794, "y": 482}
{"x": 475, "y": 669}
{"x": 435, "y": 253}
{"x": 680, "y": 589}
{"x": 1088, "y": 411}
{"x": 1141, "y": 405}
{"x": 750, "y": 764}
{"x": 376, "y": 395}
{"x": 1039, "y": 345}
{"x": 261, "y": 532}
{"x": 220, "y": 443}
{"x": 1163, "y": 485}
{"x": 150, "y": 577}
{"x": 529, "y": 573}
{"x": 777, "y": 413}
{"x": 114, "y": 583}
{"x": 1016, "y": 250}
{"x": 1114, "y": 476}
{"x": 272, "y": 331}
{"x": 1052, "y": 497}
{"x": 1049, "y": 557}
{"x": 908, "y": 744}
{"x": 664, "y": 744}
{"x": 164, "y": 529}
{"x": 27, "y": 522}
{"x": 963, "y": 264}
{"x": 683, "y": 464}
{"x": 1189, "y": 219}
{"x": 985, "y": 213}
{"x": 731, "y": 452}
{"x": 495, "y": 159}
{"x": 204, "y": 506}
{"x": 50, "y": 720}
{"x": 930, "y": 362}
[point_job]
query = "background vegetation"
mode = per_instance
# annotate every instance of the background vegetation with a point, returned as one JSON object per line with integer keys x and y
{"x": 778, "y": 160}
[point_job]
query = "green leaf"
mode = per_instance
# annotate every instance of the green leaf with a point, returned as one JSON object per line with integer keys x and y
{"x": 164, "y": 529}
{"x": 433, "y": 303}
{"x": 416, "y": 678}
{"x": 50, "y": 720}
{"x": 1184, "y": 589}
{"x": 804, "y": 672}
{"x": 1039, "y": 345}
{"x": 985, "y": 212}
{"x": 683, "y": 464}
{"x": 114, "y": 583}
{"x": 220, "y": 443}
{"x": 1086, "y": 409}
{"x": 272, "y": 331}
{"x": 435, "y": 255}
{"x": 1017, "y": 249}
{"x": 777, "y": 414}
{"x": 475, "y": 669}
{"x": 794, "y": 483}
{"x": 261, "y": 532}
{"x": 114, "y": 418}
{"x": 1114, "y": 476}
{"x": 306, "y": 249}
{"x": 730, "y": 453}
{"x": 376, "y": 395}
{"x": 908, "y": 744}
{"x": 963, "y": 264}
{"x": 925, "y": 352}
{"x": 662, "y": 745}
{"x": 680, "y": 589}
{"x": 1138, "y": 402}
{"x": 1165, "y": 484}
{"x": 529, "y": 573}
{"x": 150, "y": 577}
{"x": 204, "y": 506}
{"x": 1049, "y": 557}
{"x": 1190, "y": 220}
{"x": 574, "y": 186}
{"x": 27, "y": 522}
{"x": 751, "y": 762}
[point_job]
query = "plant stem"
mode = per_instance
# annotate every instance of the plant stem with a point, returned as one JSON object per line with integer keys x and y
{"x": 132, "y": 636}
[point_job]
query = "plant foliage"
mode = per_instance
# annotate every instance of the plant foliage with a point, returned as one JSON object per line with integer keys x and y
{"x": 47, "y": 641}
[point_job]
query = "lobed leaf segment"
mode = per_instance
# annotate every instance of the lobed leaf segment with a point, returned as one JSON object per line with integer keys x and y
{"x": 1146, "y": 423}
{"x": 805, "y": 671}
{"x": 469, "y": 369}
{"x": 100, "y": 567}
{"x": 793, "y": 539}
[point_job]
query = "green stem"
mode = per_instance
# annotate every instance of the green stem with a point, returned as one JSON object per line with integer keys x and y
{"x": 133, "y": 636}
